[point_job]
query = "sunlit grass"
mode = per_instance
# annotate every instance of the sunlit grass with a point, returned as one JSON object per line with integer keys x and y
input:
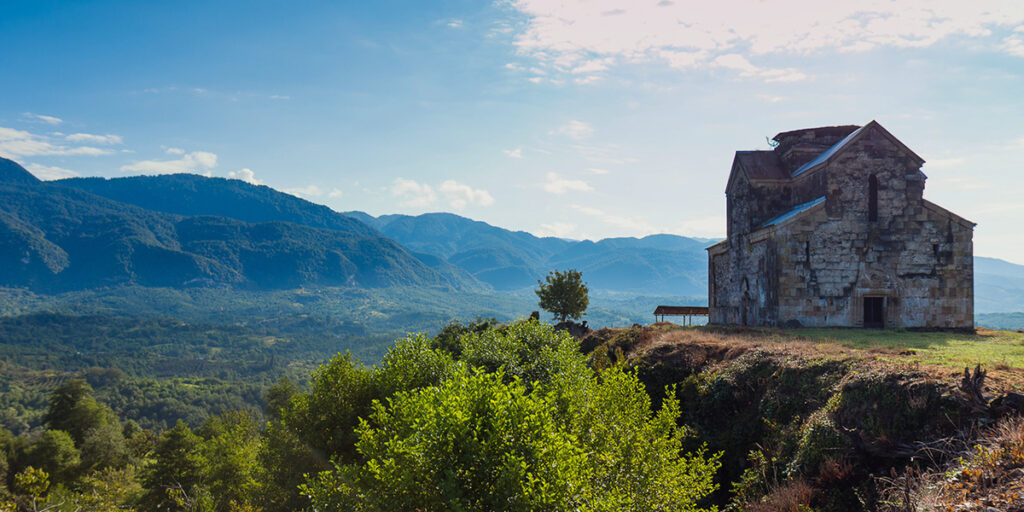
{"x": 989, "y": 348}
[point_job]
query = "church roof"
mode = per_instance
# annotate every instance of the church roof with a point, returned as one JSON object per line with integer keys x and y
{"x": 830, "y": 151}
{"x": 839, "y": 146}
{"x": 761, "y": 165}
{"x": 796, "y": 210}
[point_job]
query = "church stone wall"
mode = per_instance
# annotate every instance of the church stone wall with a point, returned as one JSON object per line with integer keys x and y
{"x": 817, "y": 268}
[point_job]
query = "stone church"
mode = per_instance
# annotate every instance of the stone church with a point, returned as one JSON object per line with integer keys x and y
{"x": 830, "y": 229}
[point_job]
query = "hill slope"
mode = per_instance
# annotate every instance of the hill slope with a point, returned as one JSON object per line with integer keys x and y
{"x": 191, "y": 194}
{"x": 54, "y": 238}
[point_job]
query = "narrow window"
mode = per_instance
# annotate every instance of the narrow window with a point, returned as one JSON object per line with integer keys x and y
{"x": 872, "y": 198}
{"x": 807, "y": 252}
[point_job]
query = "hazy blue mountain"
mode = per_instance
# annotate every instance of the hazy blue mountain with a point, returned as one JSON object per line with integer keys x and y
{"x": 191, "y": 194}
{"x": 998, "y": 286}
{"x": 54, "y": 237}
{"x": 508, "y": 260}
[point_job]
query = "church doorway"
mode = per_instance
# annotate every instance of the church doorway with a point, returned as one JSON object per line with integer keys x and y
{"x": 874, "y": 312}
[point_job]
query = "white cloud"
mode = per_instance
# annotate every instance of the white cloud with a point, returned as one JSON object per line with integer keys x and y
{"x": 175, "y": 151}
{"x": 555, "y": 184}
{"x": 576, "y": 129}
{"x": 771, "y": 98}
{"x": 189, "y": 162}
{"x": 595, "y": 170}
{"x": 556, "y": 229}
{"x": 513, "y": 153}
{"x": 454, "y": 23}
{"x": 460, "y": 195}
{"x": 572, "y": 34}
{"x": 245, "y": 175}
{"x": 335, "y": 193}
{"x": 593, "y": 66}
{"x": 280, "y": 97}
{"x": 740, "y": 63}
{"x": 1014, "y": 45}
{"x": 42, "y": 118}
{"x": 107, "y": 139}
{"x": 307, "y": 191}
{"x": 45, "y": 172}
{"x": 411, "y": 193}
{"x": 635, "y": 225}
{"x": 19, "y": 143}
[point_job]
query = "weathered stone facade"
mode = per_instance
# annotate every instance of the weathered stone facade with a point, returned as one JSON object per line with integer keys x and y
{"x": 830, "y": 229}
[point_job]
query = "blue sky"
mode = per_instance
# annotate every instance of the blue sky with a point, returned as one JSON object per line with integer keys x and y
{"x": 575, "y": 118}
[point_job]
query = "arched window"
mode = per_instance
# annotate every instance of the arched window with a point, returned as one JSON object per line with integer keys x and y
{"x": 872, "y": 198}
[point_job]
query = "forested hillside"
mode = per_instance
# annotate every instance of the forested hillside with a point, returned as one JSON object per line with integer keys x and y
{"x": 58, "y": 238}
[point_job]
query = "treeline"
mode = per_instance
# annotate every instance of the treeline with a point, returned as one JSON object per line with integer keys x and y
{"x": 480, "y": 417}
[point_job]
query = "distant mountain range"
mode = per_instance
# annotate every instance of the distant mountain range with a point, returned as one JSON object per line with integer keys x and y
{"x": 508, "y": 260}
{"x": 57, "y": 236}
{"x": 186, "y": 230}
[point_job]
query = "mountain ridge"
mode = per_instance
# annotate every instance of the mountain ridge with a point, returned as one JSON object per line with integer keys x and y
{"x": 56, "y": 237}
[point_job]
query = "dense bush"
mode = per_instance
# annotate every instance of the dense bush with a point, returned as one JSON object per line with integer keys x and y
{"x": 521, "y": 424}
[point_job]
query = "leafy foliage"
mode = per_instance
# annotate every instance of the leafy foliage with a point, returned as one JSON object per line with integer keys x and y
{"x": 567, "y": 439}
{"x": 564, "y": 294}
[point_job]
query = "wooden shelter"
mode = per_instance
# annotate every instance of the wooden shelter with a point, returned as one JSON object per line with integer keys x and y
{"x": 688, "y": 312}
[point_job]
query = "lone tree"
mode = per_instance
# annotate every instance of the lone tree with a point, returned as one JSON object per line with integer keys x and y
{"x": 564, "y": 294}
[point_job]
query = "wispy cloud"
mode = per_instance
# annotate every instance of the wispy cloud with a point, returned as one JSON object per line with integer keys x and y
{"x": 43, "y": 119}
{"x": 557, "y": 229}
{"x": 246, "y": 175}
{"x": 196, "y": 161}
{"x": 454, "y": 23}
{"x": 413, "y": 194}
{"x": 107, "y": 139}
{"x": 596, "y": 170}
{"x": 457, "y": 195}
{"x": 635, "y": 225}
{"x": 460, "y": 195}
{"x": 740, "y": 63}
{"x": 335, "y": 193}
{"x": 575, "y": 129}
{"x": 308, "y": 191}
{"x": 46, "y": 172}
{"x": 556, "y": 184}
{"x": 513, "y": 153}
{"x": 19, "y": 143}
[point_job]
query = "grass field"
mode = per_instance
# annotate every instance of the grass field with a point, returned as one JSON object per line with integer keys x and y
{"x": 987, "y": 347}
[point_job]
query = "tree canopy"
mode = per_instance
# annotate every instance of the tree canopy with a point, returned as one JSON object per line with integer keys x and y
{"x": 564, "y": 294}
